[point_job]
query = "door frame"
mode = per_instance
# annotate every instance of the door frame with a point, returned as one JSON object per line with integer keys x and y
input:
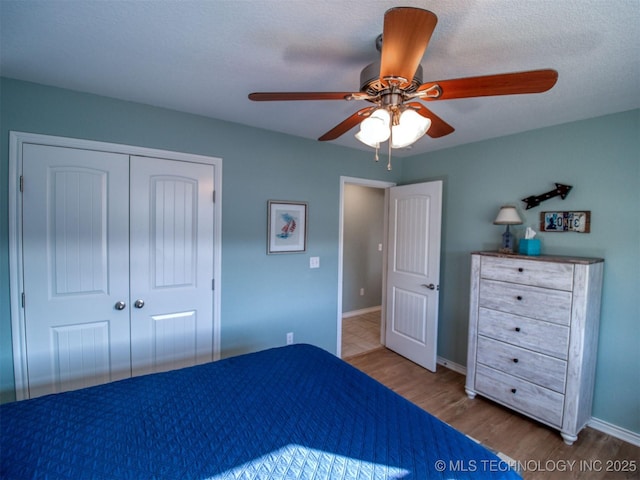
{"x": 363, "y": 182}
{"x": 16, "y": 274}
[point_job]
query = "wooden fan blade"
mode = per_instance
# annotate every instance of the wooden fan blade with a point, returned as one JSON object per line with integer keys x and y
{"x": 439, "y": 128}
{"x": 405, "y": 36}
{"x": 347, "y": 124}
{"x": 277, "y": 96}
{"x": 533, "y": 81}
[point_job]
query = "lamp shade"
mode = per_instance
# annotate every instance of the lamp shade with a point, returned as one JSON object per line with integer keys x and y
{"x": 508, "y": 215}
{"x": 367, "y": 139}
{"x": 410, "y": 128}
{"x": 375, "y": 129}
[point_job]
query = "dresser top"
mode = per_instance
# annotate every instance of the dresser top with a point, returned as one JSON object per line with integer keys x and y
{"x": 543, "y": 258}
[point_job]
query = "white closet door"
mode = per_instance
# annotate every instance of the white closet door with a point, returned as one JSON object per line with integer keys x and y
{"x": 76, "y": 267}
{"x": 171, "y": 264}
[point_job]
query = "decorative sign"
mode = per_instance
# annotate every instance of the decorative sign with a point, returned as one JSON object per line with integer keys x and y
{"x": 534, "y": 200}
{"x": 565, "y": 222}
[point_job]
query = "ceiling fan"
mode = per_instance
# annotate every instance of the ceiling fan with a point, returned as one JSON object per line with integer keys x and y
{"x": 395, "y": 83}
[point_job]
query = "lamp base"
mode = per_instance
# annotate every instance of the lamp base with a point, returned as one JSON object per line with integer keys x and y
{"x": 507, "y": 241}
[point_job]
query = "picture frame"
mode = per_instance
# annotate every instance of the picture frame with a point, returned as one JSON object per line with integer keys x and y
{"x": 579, "y": 222}
{"x": 286, "y": 227}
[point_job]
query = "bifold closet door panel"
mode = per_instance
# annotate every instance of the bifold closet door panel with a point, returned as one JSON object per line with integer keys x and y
{"x": 76, "y": 267}
{"x": 171, "y": 264}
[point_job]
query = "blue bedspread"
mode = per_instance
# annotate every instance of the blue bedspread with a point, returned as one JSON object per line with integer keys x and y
{"x": 292, "y": 412}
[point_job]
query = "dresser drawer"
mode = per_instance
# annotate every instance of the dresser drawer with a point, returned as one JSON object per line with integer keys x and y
{"x": 548, "y": 338}
{"x": 528, "y": 272}
{"x": 528, "y": 398}
{"x": 548, "y": 372}
{"x": 534, "y": 302}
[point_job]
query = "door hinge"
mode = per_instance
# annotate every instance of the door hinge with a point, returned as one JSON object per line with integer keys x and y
{"x": 213, "y": 284}
{"x": 23, "y": 300}
{"x": 214, "y": 196}
{"x": 21, "y": 184}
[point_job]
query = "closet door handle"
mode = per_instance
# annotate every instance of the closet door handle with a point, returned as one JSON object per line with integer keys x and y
{"x": 120, "y": 305}
{"x": 139, "y": 303}
{"x": 431, "y": 286}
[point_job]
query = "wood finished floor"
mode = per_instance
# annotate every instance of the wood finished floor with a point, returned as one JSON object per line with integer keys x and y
{"x": 538, "y": 448}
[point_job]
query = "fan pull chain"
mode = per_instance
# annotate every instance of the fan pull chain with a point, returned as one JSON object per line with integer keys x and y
{"x": 390, "y": 142}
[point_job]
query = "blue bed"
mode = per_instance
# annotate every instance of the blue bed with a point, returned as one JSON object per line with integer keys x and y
{"x": 291, "y": 412}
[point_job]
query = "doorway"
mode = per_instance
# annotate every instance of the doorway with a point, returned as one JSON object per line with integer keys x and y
{"x": 411, "y": 269}
{"x": 362, "y": 265}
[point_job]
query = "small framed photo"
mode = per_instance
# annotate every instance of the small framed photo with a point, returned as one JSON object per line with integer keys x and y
{"x": 286, "y": 227}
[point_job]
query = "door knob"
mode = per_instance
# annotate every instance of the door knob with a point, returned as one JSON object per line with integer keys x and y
{"x": 139, "y": 303}
{"x": 120, "y": 305}
{"x": 431, "y": 286}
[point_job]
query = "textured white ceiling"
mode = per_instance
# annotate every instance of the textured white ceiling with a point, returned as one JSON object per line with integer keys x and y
{"x": 205, "y": 56}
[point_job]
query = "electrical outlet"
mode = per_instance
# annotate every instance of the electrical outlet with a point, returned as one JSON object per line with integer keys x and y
{"x": 314, "y": 262}
{"x": 289, "y": 338}
{"x": 362, "y": 292}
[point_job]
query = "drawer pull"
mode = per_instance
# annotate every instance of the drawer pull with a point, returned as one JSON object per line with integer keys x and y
{"x": 515, "y": 360}
{"x": 517, "y": 329}
{"x": 521, "y": 269}
{"x": 513, "y": 390}
{"x": 519, "y": 297}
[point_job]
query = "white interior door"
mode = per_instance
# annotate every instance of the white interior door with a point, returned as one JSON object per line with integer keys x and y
{"x": 171, "y": 264}
{"x": 76, "y": 267}
{"x": 413, "y": 271}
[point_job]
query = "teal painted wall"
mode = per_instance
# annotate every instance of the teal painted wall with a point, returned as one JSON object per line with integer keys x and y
{"x": 601, "y": 159}
{"x": 263, "y": 296}
{"x": 362, "y": 263}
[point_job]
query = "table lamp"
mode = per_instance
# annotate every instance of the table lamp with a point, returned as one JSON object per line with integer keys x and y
{"x": 508, "y": 215}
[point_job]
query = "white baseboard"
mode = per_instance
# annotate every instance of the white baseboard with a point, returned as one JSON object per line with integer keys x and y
{"x": 452, "y": 365}
{"x": 355, "y": 313}
{"x": 595, "y": 423}
{"x": 615, "y": 431}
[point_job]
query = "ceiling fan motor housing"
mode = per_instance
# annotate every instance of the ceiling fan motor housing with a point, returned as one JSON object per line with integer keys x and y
{"x": 371, "y": 84}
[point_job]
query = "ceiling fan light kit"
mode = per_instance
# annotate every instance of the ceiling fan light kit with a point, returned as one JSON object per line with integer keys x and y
{"x": 393, "y": 83}
{"x": 406, "y": 128}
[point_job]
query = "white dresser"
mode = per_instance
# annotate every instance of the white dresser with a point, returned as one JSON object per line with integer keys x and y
{"x": 533, "y": 335}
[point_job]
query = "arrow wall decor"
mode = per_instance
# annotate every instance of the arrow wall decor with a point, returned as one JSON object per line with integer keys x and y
{"x": 534, "y": 200}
